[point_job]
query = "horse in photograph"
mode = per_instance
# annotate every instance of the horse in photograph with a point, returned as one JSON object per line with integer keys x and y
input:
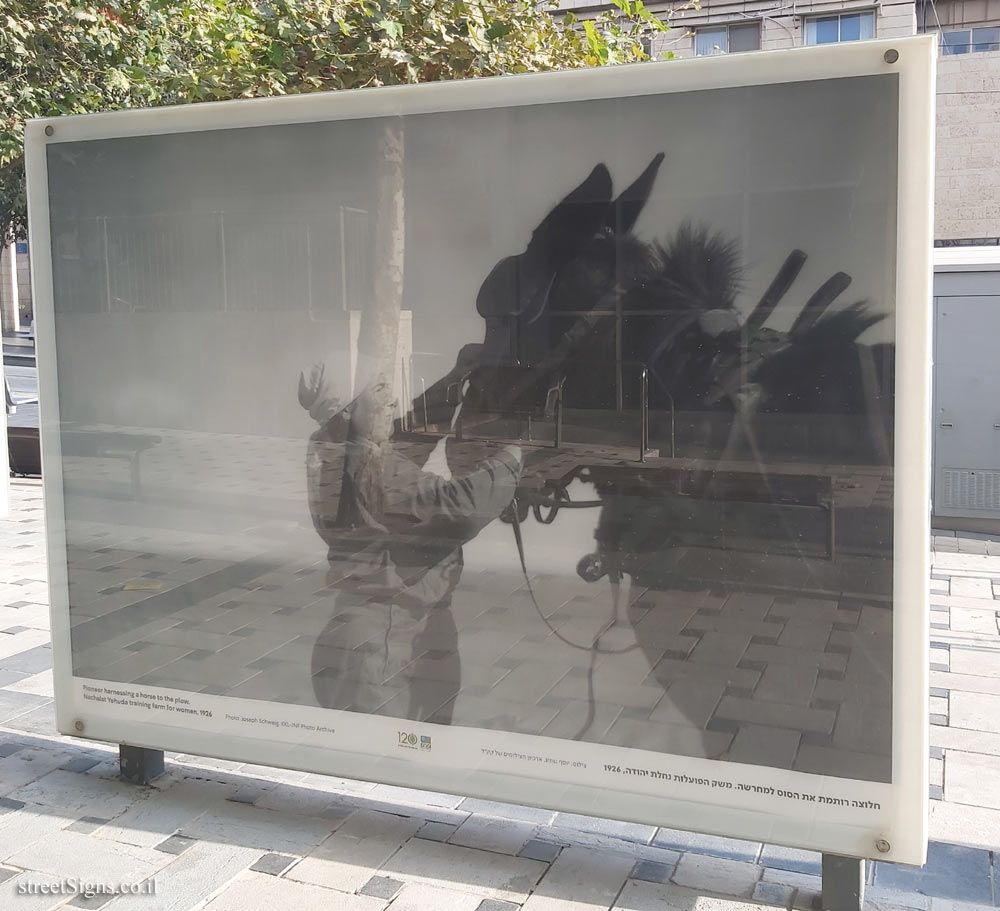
{"x": 593, "y": 304}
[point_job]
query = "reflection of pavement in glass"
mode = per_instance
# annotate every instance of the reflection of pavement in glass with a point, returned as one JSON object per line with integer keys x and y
{"x": 770, "y": 659}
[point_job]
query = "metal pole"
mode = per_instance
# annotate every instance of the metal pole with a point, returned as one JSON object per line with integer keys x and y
{"x": 643, "y": 414}
{"x": 843, "y": 883}
{"x": 139, "y": 765}
{"x": 673, "y": 448}
{"x": 423, "y": 394}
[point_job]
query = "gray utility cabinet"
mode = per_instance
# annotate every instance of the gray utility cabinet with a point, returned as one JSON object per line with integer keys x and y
{"x": 966, "y": 423}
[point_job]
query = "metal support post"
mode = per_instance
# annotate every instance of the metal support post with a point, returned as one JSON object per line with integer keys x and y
{"x": 843, "y": 883}
{"x": 139, "y": 765}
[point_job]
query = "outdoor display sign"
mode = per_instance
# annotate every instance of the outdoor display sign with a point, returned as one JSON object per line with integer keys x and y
{"x": 559, "y": 439}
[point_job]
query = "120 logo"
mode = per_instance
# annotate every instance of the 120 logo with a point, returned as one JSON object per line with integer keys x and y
{"x": 410, "y": 741}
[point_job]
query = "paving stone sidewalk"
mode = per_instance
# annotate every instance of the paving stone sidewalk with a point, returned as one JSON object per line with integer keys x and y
{"x": 222, "y": 835}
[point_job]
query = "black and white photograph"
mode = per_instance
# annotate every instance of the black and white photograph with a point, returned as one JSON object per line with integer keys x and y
{"x": 572, "y": 420}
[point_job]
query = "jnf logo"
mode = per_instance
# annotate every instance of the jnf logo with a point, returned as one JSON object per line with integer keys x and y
{"x": 425, "y": 743}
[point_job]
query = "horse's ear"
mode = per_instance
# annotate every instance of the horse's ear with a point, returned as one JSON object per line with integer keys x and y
{"x": 518, "y": 284}
{"x": 627, "y": 207}
{"x": 574, "y": 221}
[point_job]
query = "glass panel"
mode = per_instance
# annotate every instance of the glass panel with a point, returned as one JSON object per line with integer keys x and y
{"x": 850, "y": 27}
{"x": 744, "y": 37}
{"x": 955, "y": 42}
{"x": 986, "y": 39}
{"x": 868, "y": 25}
{"x": 315, "y": 515}
{"x": 823, "y": 30}
{"x": 710, "y": 41}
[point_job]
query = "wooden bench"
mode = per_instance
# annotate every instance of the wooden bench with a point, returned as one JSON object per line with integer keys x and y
{"x": 24, "y": 453}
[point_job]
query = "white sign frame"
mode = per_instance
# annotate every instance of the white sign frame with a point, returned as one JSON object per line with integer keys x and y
{"x": 776, "y": 806}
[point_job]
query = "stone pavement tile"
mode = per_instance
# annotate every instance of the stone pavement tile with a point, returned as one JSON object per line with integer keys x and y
{"x": 972, "y": 587}
{"x": 346, "y": 860}
{"x": 492, "y": 904}
{"x": 37, "y": 684}
{"x": 795, "y": 859}
{"x": 863, "y": 727}
{"x": 536, "y": 849}
{"x": 6, "y": 873}
{"x": 935, "y": 773}
{"x": 20, "y": 644}
{"x": 976, "y": 711}
{"x": 580, "y": 876}
{"x": 879, "y": 898}
{"x": 436, "y": 831}
{"x": 507, "y": 811}
{"x": 420, "y": 897}
{"x": 768, "y": 746}
{"x": 490, "y": 875}
{"x": 161, "y": 812}
{"x": 392, "y": 793}
{"x": 788, "y": 683}
{"x": 962, "y": 824}
{"x": 668, "y": 738}
{"x": 294, "y": 799}
{"x": 40, "y": 720}
{"x": 9, "y": 897}
{"x": 193, "y": 876}
{"x": 561, "y": 837}
{"x": 642, "y": 896}
{"x": 947, "y": 904}
{"x": 840, "y": 763}
{"x": 26, "y": 827}
{"x": 650, "y": 871}
{"x": 259, "y": 892}
{"x": 978, "y": 662}
{"x": 774, "y": 894}
{"x": 775, "y": 714}
{"x": 714, "y": 845}
{"x": 626, "y": 831}
{"x": 414, "y": 809}
{"x": 86, "y": 824}
{"x": 381, "y": 887}
{"x": 972, "y": 778}
{"x": 688, "y": 702}
{"x": 715, "y": 874}
{"x": 574, "y": 717}
{"x": 951, "y": 871}
{"x": 504, "y": 836}
{"x": 14, "y": 704}
{"x": 976, "y": 563}
{"x": 273, "y": 864}
{"x": 939, "y": 586}
{"x": 175, "y": 844}
{"x": 26, "y": 765}
{"x": 74, "y": 855}
{"x": 982, "y": 621}
{"x": 31, "y": 661}
{"x": 809, "y": 882}
{"x": 955, "y": 738}
{"x": 80, "y": 792}
{"x": 249, "y": 827}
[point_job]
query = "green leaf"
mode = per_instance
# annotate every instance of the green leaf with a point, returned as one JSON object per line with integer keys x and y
{"x": 393, "y": 29}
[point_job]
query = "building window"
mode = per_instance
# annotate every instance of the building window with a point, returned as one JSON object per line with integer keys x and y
{"x": 844, "y": 27}
{"x": 974, "y": 40}
{"x": 727, "y": 39}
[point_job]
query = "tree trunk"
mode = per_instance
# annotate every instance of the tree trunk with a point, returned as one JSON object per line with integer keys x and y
{"x": 362, "y": 495}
